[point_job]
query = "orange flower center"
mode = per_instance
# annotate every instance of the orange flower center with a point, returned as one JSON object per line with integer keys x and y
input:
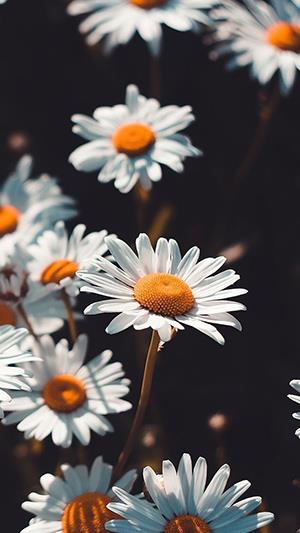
{"x": 87, "y": 513}
{"x": 133, "y": 139}
{"x": 187, "y": 524}
{"x": 164, "y": 294}
{"x": 64, "y": 393}
{"x": 9, "y": 218}
{"x": 147, "y": 4}
{"x": 58, "y": 270}
{"x": 285, "y": 36}
{"x": 7, "y": 315}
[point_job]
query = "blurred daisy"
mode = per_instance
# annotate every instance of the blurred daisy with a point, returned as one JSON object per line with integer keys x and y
{"x": 295, "y": 383}
{"x": 162, "y": 290}
{"x": 68, "y": 398}
{"x": 119, "y": 20}
{"x": 76, "y": 503}
{"x": 12, "y": 377}
{"x": 130, "y": 142}
{"x": 24, "y": 302}
{"x": 57, "y": 257}
{"x": 28, "y": 206}
{"x": 266, "y": 37}
{"x": 182, "y": 504}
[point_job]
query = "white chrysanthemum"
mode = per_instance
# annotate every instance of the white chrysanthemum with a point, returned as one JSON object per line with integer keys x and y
{"x": 68, "y": 398}
{"x": 183, "y": 504}
{"x": 295, "y": 383}
{"x": 119, "y": 20}
{"x": 130, "y": 142}
{"x": 266, "y": 37}
{"x": 12, "y": 377}
{"x": 21, "y": 295}
{"x": 28, "y": 206}
{"x": 162, "y": 290}
{"x": 76, "y": 503}
{"x": 56, "y": 257}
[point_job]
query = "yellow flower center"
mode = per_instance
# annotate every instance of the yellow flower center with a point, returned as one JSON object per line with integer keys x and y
{"x": 187, "y": 524}
{"x": 64, "y": 393}
{"x": 58, "y": 270}
{"x": 87, "y": 513}
{"x": 7, "y": 315}
{"x": 133, "y": 139}
{"x": 147, "y": 4}
{"x": 285, "y": 36}
{"x": 9, "y": 218}
{"x": 164, "y": 294}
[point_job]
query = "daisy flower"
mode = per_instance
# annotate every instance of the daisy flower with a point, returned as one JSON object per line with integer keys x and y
{"x": 130, "y": 142}
{"x": 28, "y": 206}
{"x": 76, "y": 503}
{"x": 68, "y": 397}
{"x": 162, "y": 290}
{"x": 12, "y": 377}
{"x": 266, "y": 37}
{"x": 295, "y": 383}
{"x": 119, "y": 20}
{"x": 183, "y": 504}
{"x": 57, "y": 257}
{"x": 22, "y": 299}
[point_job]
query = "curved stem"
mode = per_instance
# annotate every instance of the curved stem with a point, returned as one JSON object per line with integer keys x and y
{"x": 26, "y": 320}
{"x": 142, "y": 405}
{"x": 70, "y": 315}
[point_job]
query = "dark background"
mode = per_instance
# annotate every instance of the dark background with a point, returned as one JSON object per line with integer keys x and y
{"x": 47, "y": 74}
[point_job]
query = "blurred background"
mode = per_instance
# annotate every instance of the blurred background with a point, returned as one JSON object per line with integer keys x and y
{"x": 226, "y": 403}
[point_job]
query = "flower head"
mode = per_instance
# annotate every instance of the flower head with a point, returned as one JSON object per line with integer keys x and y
{"x": 119, "y": 20}
{"x": 55, "y": 257}
{"x": 28, "y": 206}
{"x": 295, "y": 383}
{"x": 264, "y": 36}
{"x": 161, "y": 289}
{"x": 76, "y": 503}
{"x": 12, "y": 377}
{"x": 68, "y": 397}
{"x": 130, "y": 142}
{"x": 183, "y": 504}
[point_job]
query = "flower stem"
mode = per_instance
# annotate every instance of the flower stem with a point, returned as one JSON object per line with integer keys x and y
{"x": 70, "y": 315}
{"x": 142, "y": 405}
{"x": 26, "y": 320}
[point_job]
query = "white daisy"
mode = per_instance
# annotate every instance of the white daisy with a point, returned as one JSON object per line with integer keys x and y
{"x": 57, "y": 257}
{"x": 22, "y": 298}
{"x": 130, "y": 142}
{"x": 12, "y": 377}
{"x": 266, "y": 37}
{"x": 76, "y": 503}
{"x": 295, "y": 383}
{"x": 28, "y": 206}
{"x": 68, "y": 398}
{"x": 162, "y": 290}
{"x": 119, "y": 20}
{"x": 182, "y": 504}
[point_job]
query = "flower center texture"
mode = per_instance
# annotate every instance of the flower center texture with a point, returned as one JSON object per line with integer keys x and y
{"x": 187, "y": 524}
{"x": 87, "y": 513}
{"x": 58, "y": 270}
{"x": 64, "y": 393}
{"x": 9, "y": 219}
{"x": 147, "y": 4}
{"x": 133, "y": 139}
{"x": 285, "y": 36}
{"x": 164, "y": 294}
{"x": 7, "y": 315}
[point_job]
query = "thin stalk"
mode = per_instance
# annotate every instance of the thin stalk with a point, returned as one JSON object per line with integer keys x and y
{"x": 23, "y": 315}
{"x": 142, "y": 405}
{"x": 70, "y": 316}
